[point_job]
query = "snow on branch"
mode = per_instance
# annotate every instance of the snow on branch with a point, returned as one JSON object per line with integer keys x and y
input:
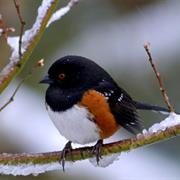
{"x": 1, "y": 31}
{"x": 61, "y": 12}
{"x": 29, "y": 34}
{"x": 172, "y": 120}
{"x": 29, "y": 39}
{"x": 26, "y": 164}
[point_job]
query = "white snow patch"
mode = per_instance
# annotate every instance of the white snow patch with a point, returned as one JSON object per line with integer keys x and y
{"x": 172, "y": 120}
{"x": 13, "y": 42}
{"x": 1, "y": 31}
{"x": 29, "y": 34}
{"x": 61, "y": 12}
{"x": 34, "y": 169}
{"x": 105, "y": 160}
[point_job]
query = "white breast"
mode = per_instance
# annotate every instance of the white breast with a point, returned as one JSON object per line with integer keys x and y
{"x": 74, "y": 124}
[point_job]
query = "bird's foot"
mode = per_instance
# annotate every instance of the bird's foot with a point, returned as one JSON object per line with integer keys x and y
{"x": 97, "y": 150}
{"x": 67, "y": 149}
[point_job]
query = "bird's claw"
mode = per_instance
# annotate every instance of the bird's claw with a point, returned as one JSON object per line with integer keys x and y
{"x": 97, "y": 150}
{"x": 67, "y": 149}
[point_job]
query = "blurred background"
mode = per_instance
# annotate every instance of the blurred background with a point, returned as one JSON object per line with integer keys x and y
{"x": 112, "y": 33}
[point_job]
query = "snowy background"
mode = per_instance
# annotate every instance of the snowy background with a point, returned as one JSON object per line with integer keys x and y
{"x": 112, "y": 32}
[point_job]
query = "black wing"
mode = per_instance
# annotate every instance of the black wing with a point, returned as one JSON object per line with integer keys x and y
{"x": 121, "y": 105}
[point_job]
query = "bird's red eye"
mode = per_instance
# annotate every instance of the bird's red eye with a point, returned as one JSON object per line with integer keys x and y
{"x": 62, "y": 76}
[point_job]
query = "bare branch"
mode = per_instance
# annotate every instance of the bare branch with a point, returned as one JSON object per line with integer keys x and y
{"x": 39, "y": 64}
{"x": 11, "y": 99}
{"x": 5, "y": 31}
{"x": 17, "y": 6}
{"x": 158, "y": 76}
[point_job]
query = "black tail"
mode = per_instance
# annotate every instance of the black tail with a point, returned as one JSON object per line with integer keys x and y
{"x": 144, "y": 106}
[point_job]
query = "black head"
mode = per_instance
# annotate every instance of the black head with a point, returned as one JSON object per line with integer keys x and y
{"x": 68, "y": 78}
{"x": 74, "y": 72}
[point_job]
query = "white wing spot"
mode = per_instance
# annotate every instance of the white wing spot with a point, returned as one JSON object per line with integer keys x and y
{"x": 121, "y": 97}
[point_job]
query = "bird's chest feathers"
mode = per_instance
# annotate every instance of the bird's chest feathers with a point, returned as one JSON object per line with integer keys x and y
{"x": 75, "y": 124}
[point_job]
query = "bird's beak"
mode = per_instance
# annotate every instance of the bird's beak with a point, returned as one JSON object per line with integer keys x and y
{"x": 46, "y": 80}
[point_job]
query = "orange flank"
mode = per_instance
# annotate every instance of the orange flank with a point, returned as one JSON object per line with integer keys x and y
{"x": 98, "y": 106}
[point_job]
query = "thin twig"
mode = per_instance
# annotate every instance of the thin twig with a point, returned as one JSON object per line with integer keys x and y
{"x": 5, "y": 30}
{"x": 11, "y": 99}
{"x": 17, "y": 6}
{"x": 158, "y": 76}
{"x": 40, "y": 63}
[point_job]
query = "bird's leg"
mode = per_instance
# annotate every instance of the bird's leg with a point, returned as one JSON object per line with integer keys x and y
{"x": 67, "y": 149}
{"x": 97, "y": 150}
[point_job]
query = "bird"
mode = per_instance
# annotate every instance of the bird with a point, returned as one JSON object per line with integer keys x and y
{"x": 86, "y": 105}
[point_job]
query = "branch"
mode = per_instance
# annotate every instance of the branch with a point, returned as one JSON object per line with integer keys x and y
{"x": 61, "y": 12}
{"x": 5, "y": 31}
{"x": 158, "y": 76}
{"x": 25, "y": 164}
{"x": 31, "y": 37}
{"x": 39, "y": 64}
{"x": 17, "y": 6}
{"x": 29, "y": 40}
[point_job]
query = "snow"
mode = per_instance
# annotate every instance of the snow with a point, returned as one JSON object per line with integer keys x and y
{"x": 14, "y": 44}
{"x": 105, "y": 160}
{"x": 172, "y": 120}
{"x": 58, "y": 14}
{"x": 61, "y": 12}
{"x": 1, "y": 30}
{"x": 28, "y": 34}
{"x": 28, "y": 169}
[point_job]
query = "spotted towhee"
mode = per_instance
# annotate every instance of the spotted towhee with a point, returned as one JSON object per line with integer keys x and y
{"x": 87, "y": 105}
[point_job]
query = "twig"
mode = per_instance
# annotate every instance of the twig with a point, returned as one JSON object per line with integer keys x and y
{"x": 30, "y": 39}
{"x": 158, "y": 76}
{"x": 17, "y": 6}
{"x": 20, "y": 163}
{"x": 40, "y": 63}
{"x": 11, "y": 99}
{"x": 5, "y": 31}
